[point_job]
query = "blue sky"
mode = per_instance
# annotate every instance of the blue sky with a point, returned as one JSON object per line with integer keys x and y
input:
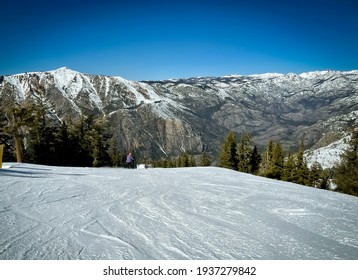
{"x": 155, "y": 40}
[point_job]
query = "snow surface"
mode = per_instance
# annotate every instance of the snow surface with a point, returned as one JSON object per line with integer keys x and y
{"x": 328, "y": 156}
{"x": 185, "y": 213}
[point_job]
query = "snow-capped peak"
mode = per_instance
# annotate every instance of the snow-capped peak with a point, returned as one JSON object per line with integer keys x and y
{"x": 64, "y": 76}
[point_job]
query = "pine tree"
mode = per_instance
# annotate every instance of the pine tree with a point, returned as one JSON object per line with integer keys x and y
{"x": 227, "y": 156}
{"x": 266, "y": 163}
{"x": 81, "y": 141}
{"x": 288, "y": 169}
{"x": 346, "y": 172}
{"x": 40, "y": 129}
{"x": 184, "y": 160}
{"x": 65, "y": 147}
{"x": 18, "y": 118}
{"x": 272, "y": 165}
{"x": 43, "y": 131}
{"x": 90, "y": 137}
{"x": 276, "y": 171}
{"x": 325, "y": 180}
{"x": 44, "y": 145}
{"x": 114, "y": 153}
{"x": 173, "y": 162}
{"x": 318, "y": 177}
{"x": 205, "y": 159}
{"x": 71, "y": 144}
{"x": 255, "y": 160}
{"x": 98, "y": 138}
{"x": 166, "y": 163}
{"x": 243, "y": 154}
{"x": 315, "y": 175}
{"x": 301, "y": 171}
{"x": 157, "y": 163}
{"x": 178, "y": 161}
{"x": 192, "y": 161}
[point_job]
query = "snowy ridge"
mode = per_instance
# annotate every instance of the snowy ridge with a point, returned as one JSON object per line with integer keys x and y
{"x": 65, "y": 78}
{"x": 71, "y": 83}
{"x": 268, "y": 106}
{"x": 328, "y": 156}
{"x": 139, "y": 98}
{"x": 18, "y": 87}
{"x": 185, "y": 213}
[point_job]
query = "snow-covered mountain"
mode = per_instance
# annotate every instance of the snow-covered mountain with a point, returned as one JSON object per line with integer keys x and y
{"x": 181, "y": 213}
{"x": 161, "y": 118}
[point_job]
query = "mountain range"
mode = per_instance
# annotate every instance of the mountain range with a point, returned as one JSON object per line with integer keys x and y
{"x": 165, "y": 118}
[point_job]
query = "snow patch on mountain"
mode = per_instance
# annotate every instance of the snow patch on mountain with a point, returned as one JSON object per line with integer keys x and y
{"x": 67, "y": 78}
{"x": 18, "y": 87}
{"x": 329, "y": 155}
{"x": 266, "y": 75}
{"x": 72, "y": 83}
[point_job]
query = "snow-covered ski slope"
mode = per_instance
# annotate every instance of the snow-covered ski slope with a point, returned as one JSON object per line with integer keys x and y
{"x": 185, "y": 213}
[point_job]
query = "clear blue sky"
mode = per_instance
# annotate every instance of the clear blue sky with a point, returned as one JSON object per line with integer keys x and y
{"x": 154, "y": 40}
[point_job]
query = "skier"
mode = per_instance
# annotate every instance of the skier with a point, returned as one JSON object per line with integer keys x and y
{"x": 130, "y": 161}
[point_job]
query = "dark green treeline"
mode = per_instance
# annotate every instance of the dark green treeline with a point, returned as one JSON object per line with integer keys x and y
{"x": 274, "y": 162}
{"x": 31, "y": 133}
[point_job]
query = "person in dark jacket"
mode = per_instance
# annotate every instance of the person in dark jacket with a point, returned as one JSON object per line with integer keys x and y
{"x": 130, "y": 161}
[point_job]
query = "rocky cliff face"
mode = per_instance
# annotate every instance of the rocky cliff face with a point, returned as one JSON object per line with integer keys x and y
{"x": 162, "y": 118}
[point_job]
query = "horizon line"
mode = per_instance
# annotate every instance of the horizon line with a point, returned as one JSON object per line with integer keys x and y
{"x": 184, "y": 78}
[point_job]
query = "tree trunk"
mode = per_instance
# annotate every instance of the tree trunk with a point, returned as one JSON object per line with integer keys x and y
{"x": 18, "y": 147}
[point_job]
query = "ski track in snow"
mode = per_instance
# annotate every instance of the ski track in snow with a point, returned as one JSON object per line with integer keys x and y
{"x": 187, "y": 213}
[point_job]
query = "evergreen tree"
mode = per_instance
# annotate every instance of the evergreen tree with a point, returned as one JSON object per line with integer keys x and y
{"x": 316, "y": 171}
{"x": 41, "y": 138}
{"x": 178, "y": 161}
{"x": 44, "y": 146}
{"x": 9, "y": 153}
{"x": 255, "y": 160}
{"x": 325, "y": 180}
{"x": 98, "y": 137}
{"x": 346, "y": 172}
{"x": 156, "y": 163}
{"x": 319, "y": 178}
{"x": 43, "y": 131}
{"x": 301, "y": 171}
{"x": 272, "y": 165}
{"x": 18, "y": 117}
{"x": 90, "y": 141}
{"x": 192, "y": 161}
{"x": 276, "y": 171}
{"x": 227, "y": 156}
{"x": 289, "y": 168}
{"x": 266, "y": 165}
{"x": 243, "y": 154}
{"x": 184, "y": 160}
{"x": 65, "y": 147}
{"x": 114, "y": 153}
{"x": 81, "y": 142}
{"x": 205, "y": 159}
{"x": 172, "y": 162}
{"x": 166, "y": 163}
